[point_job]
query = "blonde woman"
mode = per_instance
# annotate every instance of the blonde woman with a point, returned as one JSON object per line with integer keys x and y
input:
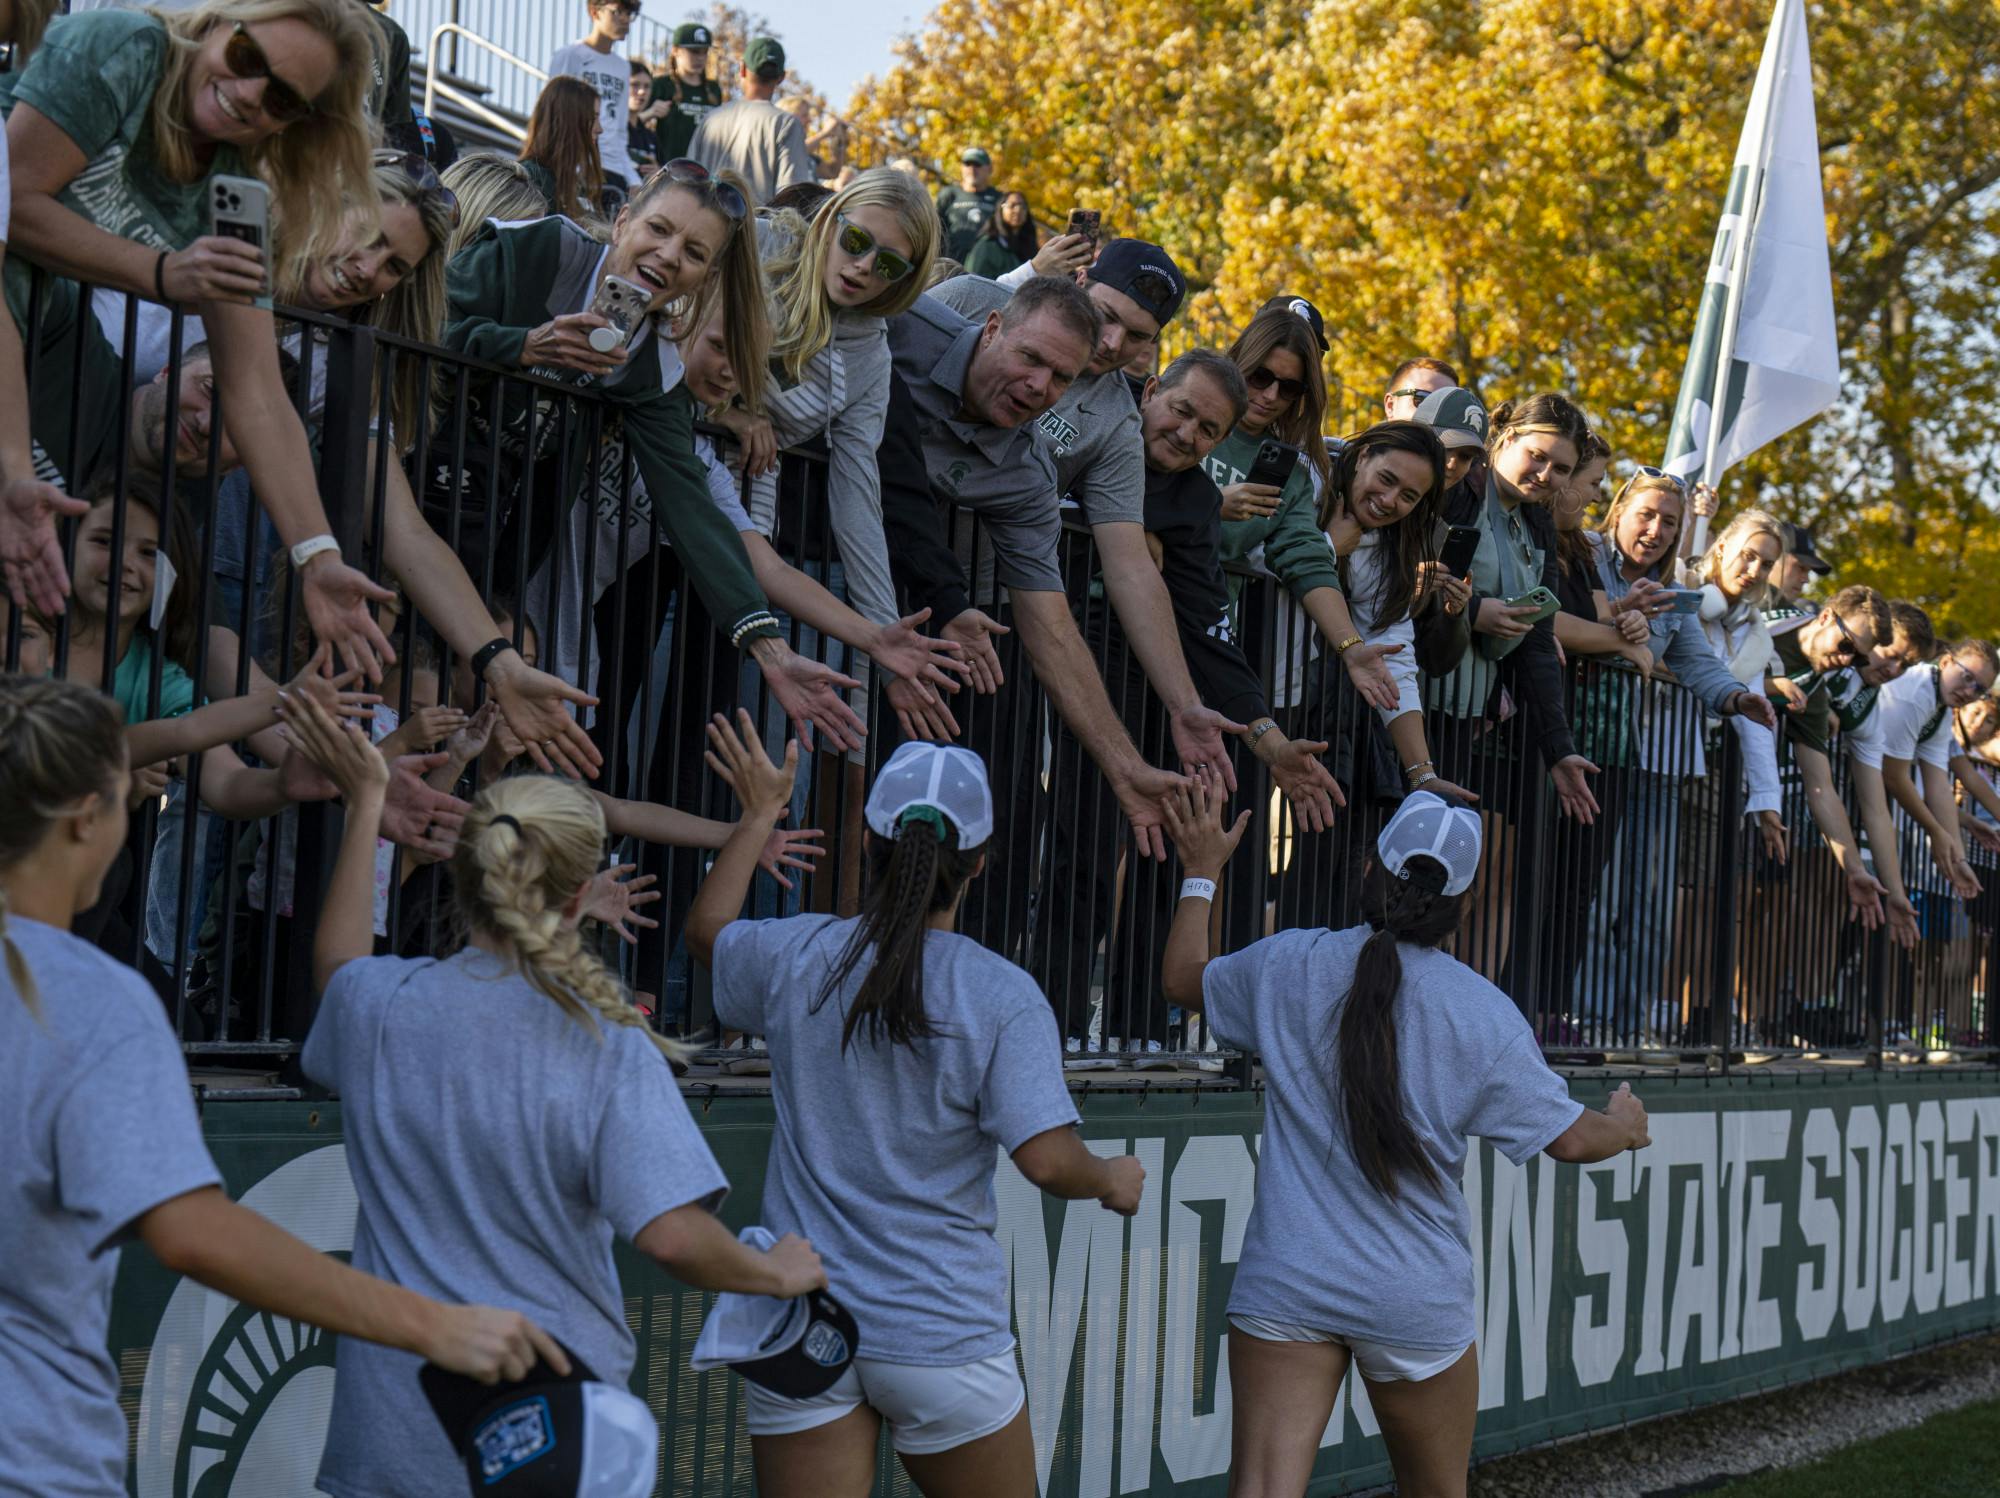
{"x": 489, "y": 187}
{"x": 103, "y": 1142}
{"x": 116, "y": 128}
{"x": 508, "y": 1111}
{"x": 864, "y": 256}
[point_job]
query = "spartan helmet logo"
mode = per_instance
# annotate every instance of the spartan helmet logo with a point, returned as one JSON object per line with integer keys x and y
{"x": 1300, "y": 307}
{"x": 1476, "y": 419}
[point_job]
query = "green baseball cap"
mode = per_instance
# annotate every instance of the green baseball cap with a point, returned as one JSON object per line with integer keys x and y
{"x": 765, "y": 58}
{"x": 974, "y": 156}
{"x": 692, "y": 34}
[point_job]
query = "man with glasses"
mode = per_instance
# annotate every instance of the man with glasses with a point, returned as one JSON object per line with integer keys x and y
{"x": 1916, "y": 739}
{"x": 1843, "y": 634}
{"x": 598, "y": 63}
{"x": 1413, "y": 380}
{"x": 751, "y": 136}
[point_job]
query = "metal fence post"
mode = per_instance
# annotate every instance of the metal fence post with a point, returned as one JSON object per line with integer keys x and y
{"x": 1722, "y": 968}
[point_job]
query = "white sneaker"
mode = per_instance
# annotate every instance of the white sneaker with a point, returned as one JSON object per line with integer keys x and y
{"x": 749, "y": 1057}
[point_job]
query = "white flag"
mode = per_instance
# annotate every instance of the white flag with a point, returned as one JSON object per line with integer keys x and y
{"x": 1767, "y": 308}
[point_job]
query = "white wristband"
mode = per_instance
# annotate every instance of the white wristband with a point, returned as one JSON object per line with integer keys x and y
{"x": 311, "y": 547}
{"x": 1197, "y": 889}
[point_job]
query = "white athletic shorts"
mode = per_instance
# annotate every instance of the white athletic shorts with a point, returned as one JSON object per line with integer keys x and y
{"x": 928, "y": 1409}
{"x": 1378, "y": 1361}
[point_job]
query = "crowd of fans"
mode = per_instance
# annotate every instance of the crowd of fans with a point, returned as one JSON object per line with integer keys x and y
{"x": 648, "y": 308}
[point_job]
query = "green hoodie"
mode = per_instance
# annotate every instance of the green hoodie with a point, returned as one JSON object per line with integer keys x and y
{"x": 1295, "y": 549}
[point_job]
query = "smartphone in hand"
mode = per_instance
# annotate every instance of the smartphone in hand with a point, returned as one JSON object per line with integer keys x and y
{"x": 621, "y": 303}
{"x": 1460, "y": 542}
{"x": 1276, "y": 463}
{"x": 240, "y": 208}
{"x": 1084, "y": 221}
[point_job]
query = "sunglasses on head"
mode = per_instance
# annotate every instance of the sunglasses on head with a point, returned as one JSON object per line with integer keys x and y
{"x": 417, "y": 167}
{"x": 1262, "y": 379}
{"x": 1648, "y": 471}
{"x": 245, "y": 58}
{"x": 691, "y": 173}
{"x": 857, "y": 243}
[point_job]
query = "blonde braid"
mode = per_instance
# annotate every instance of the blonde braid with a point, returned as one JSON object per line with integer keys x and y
{"x": 530, "y": 843}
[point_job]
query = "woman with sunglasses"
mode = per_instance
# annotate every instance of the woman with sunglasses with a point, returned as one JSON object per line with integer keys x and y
{"x": 117, "y": 128}
{"x": 681, "y": 236}
{"x": 832, "y": 281}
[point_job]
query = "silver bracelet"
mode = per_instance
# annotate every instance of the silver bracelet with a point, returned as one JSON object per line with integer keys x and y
{"x": 1197, "y": 889}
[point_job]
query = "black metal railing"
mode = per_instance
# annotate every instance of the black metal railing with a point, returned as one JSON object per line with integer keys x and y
{"x": 1662, "y": 925}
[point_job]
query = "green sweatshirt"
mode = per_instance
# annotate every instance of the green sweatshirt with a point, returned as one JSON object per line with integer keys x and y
{"x": 515, "y": 277}
{"x": 1295, "y": 549}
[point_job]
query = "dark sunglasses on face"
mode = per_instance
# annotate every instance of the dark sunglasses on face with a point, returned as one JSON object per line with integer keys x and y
{"x": 244, "y": 58}
{"x": 1851, "y": 647}
{"x": 1262, "y": 379}
{"x": 421, "y": 172}
{"x": 691, "y": 173}
{"x": 857, "y": 243}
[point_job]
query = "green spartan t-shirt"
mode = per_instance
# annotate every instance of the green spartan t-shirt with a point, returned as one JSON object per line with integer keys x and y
{"x": 675, "y": 130}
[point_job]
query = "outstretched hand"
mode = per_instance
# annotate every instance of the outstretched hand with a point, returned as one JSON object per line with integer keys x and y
{"x": 30, "y": 551}
{"x": 1194, "y": 817}
{"x": 612, "y": 898}
{"x": 736, "y": 753}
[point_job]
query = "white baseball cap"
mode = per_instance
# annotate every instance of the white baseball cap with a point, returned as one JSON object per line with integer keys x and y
{"x": 798, "y": 1348}
{"x": 1424, "y": 826}
{"x": 943, "y": 776}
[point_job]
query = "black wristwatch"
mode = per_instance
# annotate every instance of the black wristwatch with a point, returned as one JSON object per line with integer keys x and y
{"x": 486, "y": 654}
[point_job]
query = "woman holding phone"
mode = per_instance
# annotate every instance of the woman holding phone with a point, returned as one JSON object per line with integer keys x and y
{"x": 119, "y": 127}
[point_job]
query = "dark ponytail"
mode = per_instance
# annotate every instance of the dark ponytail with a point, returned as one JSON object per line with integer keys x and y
{"x": 1371, "y": 1075}
{"x": 910, "y": 878}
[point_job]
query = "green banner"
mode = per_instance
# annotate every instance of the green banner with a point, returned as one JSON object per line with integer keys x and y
{"x": 1780, "y": 1228}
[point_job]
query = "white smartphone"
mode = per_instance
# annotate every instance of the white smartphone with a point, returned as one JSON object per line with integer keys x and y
{"x": 240, "y": 208}
{"x": 621, "y": 303}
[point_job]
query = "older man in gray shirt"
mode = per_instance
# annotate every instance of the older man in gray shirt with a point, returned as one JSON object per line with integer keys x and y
{"x": 960, "y": 431}
{"x": 1092, "y": 435}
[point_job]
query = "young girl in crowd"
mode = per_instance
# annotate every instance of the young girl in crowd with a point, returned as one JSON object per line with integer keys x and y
{"x": 560, "y": 152}
{"x": 1006, "y": 239}
{"x": 902, "y": 1054}
{"x": 145, "y": 108}
{"x": 1384, "y": 1057}
{"x": 493, "y": 1104}
{"x": 105, "y": 1146}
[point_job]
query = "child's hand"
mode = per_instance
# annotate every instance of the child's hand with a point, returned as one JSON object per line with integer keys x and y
{"x": 149, "y": 783}
{"x": 787, "y": 849}
{"x": 613, "y": 900}
{"x": 340, "y": 695}
{"x": 340, "y": 749}
{"x": 470, "y": 740}
{"x": 428, "y": 725}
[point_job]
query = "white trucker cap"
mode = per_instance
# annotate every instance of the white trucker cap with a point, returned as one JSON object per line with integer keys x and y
{"x": 1425, "y": 826}
{"x": 943, "y": 776}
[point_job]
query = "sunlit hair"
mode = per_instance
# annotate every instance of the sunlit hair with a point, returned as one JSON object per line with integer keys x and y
{"x": 1913, "y": 624}
{"x": 1301, "y": 422}
{"x": 562, "y": 140}
{"x": 943, "y": 269}
{"x": 1978, "y": 650}
{"x": 489, "y": 187}
{"x": 60, "y": 743}
{"x": 308, "y": 165}
{"x": 1740, "y": 532}
{"x": 530, "y": 843}
{"x": 180, "y": 627}
{"x": 1630, "y": 493}
{"x": 1423, "y": 361}
{"x": 795, "y": 268}
{"x": 415, "y": 307}
{"x": 1549, "y": 412}
{"x": 1409, "y": 541}
{"x": 31, "y": 19}
{"x": 734, "y": 279}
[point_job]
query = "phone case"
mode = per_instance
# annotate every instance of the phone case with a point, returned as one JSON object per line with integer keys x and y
{"x": 1457, "y": 559}
{"x": 240, "y": 208}
{"x": 1283, "y": 461}
{"x": 1545, "y": 602}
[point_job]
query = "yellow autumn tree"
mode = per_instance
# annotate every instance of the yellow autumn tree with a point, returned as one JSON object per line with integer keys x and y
{"x": 1530, "y": 190}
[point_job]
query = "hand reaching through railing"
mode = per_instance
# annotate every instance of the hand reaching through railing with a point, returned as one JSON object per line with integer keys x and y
{"x": 932, "y": 663}
{"x": 340, "y": 695}
{"x": 336, "y": 601}
{"x": 30, "y": 551}
{"x": 537, "y": 707}
{"x": 1771, "y": 831}
{"x": 1573, "y": 790}
{"x": 788, "y": 848}
{"x": 1142, "y": 795}
{"x": 1367, "y": 668}
{"x": 1297, "y": 769}
{"x": 975, "y": 632}
{"x": 810, "y": 692}
{"x": 921, "y": 715}
{"x": 1903, "y": 928}
{"x": 1198, "y": 739}
{"x": 613, "y": 899}
{"x": 756, "y": 442}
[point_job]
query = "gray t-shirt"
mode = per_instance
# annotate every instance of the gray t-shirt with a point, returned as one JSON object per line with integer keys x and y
{"x": 1322, "y": 1242}
{"x": 884, "y": 1155}
{"x": 1004, "y": 474}
{"x": 760, "y": 142}
{"x": 497, "y": 1147}
{"x": 1092, "y": 432}
{"x": 100, "y": 1128}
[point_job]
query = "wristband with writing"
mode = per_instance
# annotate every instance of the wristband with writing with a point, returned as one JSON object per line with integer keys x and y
{"x": 1197, "y": 889}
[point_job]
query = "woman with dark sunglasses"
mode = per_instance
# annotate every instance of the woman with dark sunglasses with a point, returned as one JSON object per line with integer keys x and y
{"x": 117, "y": 128}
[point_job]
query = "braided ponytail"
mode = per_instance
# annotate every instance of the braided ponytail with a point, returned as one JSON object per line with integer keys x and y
{"x": 530, "y": 843}
{"x": 911, "y": 877}
{"x": 1371, "y": 1078}
{"x": 60, "y": 743}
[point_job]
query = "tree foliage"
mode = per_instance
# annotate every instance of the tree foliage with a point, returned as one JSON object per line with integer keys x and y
{"x": 1530, "y": 190}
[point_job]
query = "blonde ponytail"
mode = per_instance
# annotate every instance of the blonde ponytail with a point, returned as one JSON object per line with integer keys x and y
{"x": 60, "y": 744}
{"x": 531, "y": 842}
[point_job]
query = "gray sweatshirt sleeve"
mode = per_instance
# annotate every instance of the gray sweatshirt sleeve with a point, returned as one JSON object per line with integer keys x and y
{"x": 854, "y": 485}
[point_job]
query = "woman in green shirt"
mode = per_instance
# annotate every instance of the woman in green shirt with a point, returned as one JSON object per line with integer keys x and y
{"x": 1006, "y": 240}
{"x": 115, "y": 130}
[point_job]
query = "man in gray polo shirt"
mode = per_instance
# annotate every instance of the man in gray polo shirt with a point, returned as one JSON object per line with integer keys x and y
{"x": 1092, "y": 434}
{"x": 962, "y": 408}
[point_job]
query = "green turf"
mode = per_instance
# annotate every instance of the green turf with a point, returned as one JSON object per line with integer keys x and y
{"x": 1948, "y": 1456}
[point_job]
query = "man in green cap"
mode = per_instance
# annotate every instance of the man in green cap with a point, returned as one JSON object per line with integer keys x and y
{"x": 752, "y": 136}
{"x": 964, "y": 209}
{"x": 684, "y": 93}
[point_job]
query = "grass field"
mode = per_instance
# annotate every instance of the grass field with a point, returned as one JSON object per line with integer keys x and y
{"x": 1948, "y": 1456}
